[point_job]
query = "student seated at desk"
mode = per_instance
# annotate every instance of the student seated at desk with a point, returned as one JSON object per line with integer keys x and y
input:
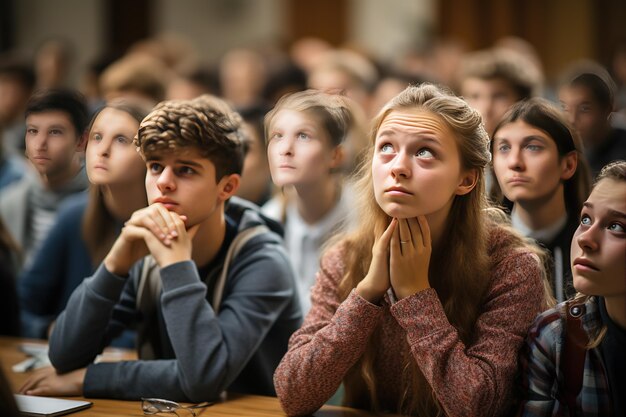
{"x": 197, "y": 338}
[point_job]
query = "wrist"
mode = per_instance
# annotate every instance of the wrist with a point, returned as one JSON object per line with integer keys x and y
{"x": 114, "y": 267}
{"x": 407, "y": 291}
{"x": 368, "y": 292}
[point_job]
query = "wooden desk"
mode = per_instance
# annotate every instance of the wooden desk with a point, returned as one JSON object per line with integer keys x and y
{"x": 236, "y": 405}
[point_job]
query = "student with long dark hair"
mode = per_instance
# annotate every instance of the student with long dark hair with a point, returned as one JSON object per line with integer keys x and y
{"x": 542, "y": 179}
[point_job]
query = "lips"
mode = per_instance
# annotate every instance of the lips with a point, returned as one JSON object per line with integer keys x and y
{"x": 584, "y": 264}
{"x": 168, "y": 203}
{"x": 397, "y": 190}
{"x": 518, "y": 180}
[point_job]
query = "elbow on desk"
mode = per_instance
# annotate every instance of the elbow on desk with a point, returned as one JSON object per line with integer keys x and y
{"x": 198, "y": 387}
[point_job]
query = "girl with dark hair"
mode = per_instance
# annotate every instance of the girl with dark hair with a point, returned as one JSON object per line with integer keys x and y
{"x": 542, "y": 180}
{"x": 423, "y": 308}
{"x": 89, "y": 223}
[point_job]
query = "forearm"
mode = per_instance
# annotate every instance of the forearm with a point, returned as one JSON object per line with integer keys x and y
{"x": 78, "y": 335}
{"x": 212, "y": 349}
{"x": 321, "y": 353}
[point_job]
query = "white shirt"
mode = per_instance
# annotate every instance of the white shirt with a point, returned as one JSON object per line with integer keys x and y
{"x": 305, "y": 242}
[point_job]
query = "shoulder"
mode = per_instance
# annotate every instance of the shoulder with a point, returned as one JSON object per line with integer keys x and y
{"x": 273, "y": 208}
{"x": 506, "y": 248}
{"x": 74, "y": 205}
{"x": 332, "y": 262}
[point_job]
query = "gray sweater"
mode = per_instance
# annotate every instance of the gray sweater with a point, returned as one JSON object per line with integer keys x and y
{"x": 201, "y": 353}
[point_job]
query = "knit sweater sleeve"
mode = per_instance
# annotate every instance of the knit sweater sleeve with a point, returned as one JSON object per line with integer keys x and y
{"x": 476, "y": 379}
{"x": 331, "y": 340}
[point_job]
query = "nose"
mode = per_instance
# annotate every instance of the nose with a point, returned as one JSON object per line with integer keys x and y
{"x": 104, "y": 148}
{"x": 515, "y": 159}
{"x": 285, "y": 147}
{"x": 167, "y": 180}
{"x": 401, "y": 166}
{"x": 571, "y": 116}
{"x": 587, "y": 239}
{"x": 41, "y": 141}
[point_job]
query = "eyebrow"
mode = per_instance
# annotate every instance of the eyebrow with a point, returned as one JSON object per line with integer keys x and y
{"x": 524, "y": 139}
{"x": 612, "y": 213}
{"x": 425, "y": 137}
{"x": 55, "y": 126}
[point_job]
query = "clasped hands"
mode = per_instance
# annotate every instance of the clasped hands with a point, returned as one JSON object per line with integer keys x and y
{"x": 400, "y": 260}
{"x": 154, "y": 230}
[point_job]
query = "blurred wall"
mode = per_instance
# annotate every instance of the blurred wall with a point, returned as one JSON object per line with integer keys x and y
{"x": 79, "y": 21}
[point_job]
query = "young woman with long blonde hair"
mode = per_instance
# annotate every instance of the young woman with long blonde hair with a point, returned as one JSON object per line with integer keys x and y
{"x": 421, "y": 310}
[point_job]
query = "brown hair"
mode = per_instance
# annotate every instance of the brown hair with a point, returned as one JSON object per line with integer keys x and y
{"x": 543, "y": 115}
{"x": 615, "y": 170}
{"x": 98, "y": 225}
{"x": 206, "y": 123}
{"x": 498, "y": 63}
{"x": 468, "y": 244}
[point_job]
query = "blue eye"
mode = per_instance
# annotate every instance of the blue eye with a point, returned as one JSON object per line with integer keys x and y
{"x": 503, "y": 148}
{"x": 585, "y": 220}
{"x": 386, "y": 148}
{"x": 534, "y": 148}
{"x": 617, "y": 227}
{"x": 122, "y": 140}
{"x": 425, "y": 153}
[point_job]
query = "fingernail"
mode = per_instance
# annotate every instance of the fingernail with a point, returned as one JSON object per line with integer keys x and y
{"x": 174, "y": 233}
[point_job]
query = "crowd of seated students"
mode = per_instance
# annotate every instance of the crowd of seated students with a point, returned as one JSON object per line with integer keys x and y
{"x": 318, "y": 226}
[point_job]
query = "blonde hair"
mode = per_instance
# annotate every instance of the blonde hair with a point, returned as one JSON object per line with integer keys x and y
{"x": 465, "y": 239}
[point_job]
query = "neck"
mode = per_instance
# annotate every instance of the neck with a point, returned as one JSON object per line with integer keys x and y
{"x": 54, "y": 182}
{"x": 616, "y": 309}
{"x": 437, "y": 223}
{"x": 209, "y": 237}
{"x": 314, "y": 201}
{"x": 540, "y": 214}
{"x": 123, "y": 200}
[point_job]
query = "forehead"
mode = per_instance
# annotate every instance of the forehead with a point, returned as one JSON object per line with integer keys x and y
{"x": 576, "y": 94}
{"x": 416, "y": 120}
{"x": 609, "y": 194}
{"x": 520, "y": 129}
{"x": 50, "y": 117}
{"x": 285, "y": 117}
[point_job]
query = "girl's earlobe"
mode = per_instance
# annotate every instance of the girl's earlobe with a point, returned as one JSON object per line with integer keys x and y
{"x": 570, "y": 163}
{"x": 468, "y": 182}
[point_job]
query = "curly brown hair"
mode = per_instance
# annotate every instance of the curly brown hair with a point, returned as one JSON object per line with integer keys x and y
{"x": 206, "y": 123}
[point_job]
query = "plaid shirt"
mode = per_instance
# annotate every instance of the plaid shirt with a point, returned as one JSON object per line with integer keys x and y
{"x": 542, "y": 379}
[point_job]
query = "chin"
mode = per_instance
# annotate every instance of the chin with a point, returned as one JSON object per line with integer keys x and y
{"x": 585, "y": 286}
{"x": 401, "y": 212}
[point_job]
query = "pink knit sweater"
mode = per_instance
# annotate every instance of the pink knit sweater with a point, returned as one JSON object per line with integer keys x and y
{"x": 467, "y": 380}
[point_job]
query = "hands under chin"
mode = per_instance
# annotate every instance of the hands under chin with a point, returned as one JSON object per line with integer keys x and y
{"x": 47, "y": 382}
{"x": 400, "y": 260}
